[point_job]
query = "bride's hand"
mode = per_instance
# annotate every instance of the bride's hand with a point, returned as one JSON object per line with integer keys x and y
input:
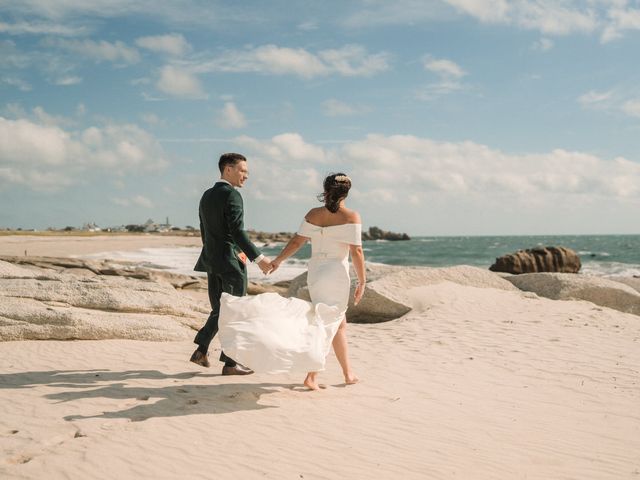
{"x": 358, "y": 294}
{"x": 274, "y": 265}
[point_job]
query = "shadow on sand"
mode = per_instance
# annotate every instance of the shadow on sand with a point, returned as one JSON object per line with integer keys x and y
{"x": 138, "y": 403}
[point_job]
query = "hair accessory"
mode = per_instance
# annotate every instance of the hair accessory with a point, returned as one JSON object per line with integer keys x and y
{"x": 342, "y": 178}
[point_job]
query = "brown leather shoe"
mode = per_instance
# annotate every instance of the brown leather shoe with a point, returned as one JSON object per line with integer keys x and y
{"x": 237, "y": 370}
{"x": 200, "y": 358}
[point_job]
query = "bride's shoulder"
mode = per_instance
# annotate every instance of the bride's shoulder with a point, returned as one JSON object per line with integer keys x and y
{"x": 352, "y": 216}
{"x": 313, "y": 214}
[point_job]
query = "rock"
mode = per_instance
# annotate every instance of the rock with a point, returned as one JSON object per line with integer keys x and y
{"x": 118, "y": 268}
{"x": 633, "y": 282}
{"x": 540, "y": 259}
{"x": 564, "y": 286}
{"x": 376, "y": 233}
{"x": 390, "y": 291}
{"x": 48, "y": 305}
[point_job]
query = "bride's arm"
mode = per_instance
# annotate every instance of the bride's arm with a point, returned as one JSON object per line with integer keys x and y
{"x": 357, "y": 258}
{"x": 292, "y": 247}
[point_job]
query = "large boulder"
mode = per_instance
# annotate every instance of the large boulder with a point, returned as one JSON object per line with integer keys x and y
{"x": 374, "y": 307}
{"x": 43, "y": 304}
{"x": 540, "y": 259}
{"x": 564, "y": 286}
{"x": 390, "y": 291}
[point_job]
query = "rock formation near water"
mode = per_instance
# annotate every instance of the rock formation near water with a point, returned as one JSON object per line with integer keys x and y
{"x": 375, "y": 233}
{"x": 540, "y": 259}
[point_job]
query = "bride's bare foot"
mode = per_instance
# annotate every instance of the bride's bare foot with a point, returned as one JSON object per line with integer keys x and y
{"x": 310, "y": 382}
{"x": 351, "y": 379}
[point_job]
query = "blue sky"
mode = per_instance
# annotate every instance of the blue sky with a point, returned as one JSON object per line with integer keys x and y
{"x": 453, "y": 117}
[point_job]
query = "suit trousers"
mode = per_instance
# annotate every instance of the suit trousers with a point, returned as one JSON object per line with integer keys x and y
{"x": 233, "y": 283}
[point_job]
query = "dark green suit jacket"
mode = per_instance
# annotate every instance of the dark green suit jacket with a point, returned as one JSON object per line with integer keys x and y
{"x": 222, "y": 231}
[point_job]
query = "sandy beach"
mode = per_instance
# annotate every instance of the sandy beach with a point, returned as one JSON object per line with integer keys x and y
{"x": 472, "y": 383}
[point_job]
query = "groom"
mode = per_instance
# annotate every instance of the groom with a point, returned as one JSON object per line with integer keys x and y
{"x": 225, "y": 248}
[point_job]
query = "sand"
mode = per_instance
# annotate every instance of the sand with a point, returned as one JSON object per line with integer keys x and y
{"x": 474, "y": 383}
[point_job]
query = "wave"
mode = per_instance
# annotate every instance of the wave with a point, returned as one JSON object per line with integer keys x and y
{"x": 610, "y": 269}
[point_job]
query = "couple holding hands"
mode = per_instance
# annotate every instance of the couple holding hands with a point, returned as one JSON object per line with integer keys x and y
{"x": 269, "y": 333}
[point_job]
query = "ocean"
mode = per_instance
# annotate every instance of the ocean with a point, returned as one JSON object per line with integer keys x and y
{"x": 601, "y": 255}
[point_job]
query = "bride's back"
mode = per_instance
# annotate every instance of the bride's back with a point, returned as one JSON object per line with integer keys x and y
{"x": 322, "y": 217}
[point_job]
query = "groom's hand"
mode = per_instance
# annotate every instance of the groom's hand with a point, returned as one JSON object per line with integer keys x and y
{"x": 265, "y": 265}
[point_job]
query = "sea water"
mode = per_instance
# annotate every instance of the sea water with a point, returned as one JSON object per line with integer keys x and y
{"x": 601, "y": 255}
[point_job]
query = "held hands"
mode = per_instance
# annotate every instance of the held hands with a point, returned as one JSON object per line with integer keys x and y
{"x": 266, "y": 266}
{"x": 358, "y": 293}
{"x": 275, "y": 264}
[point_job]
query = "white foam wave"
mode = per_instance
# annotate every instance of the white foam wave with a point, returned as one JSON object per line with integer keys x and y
{"x": 609, "y": 269}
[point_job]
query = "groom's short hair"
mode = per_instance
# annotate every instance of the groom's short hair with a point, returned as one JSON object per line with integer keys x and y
{"x": 229, "y": 159}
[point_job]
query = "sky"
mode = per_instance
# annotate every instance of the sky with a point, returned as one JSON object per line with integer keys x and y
{"x": 452, "y": 117}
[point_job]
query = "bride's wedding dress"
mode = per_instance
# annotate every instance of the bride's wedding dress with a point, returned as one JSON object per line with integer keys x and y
{"x": 272, "y": 334}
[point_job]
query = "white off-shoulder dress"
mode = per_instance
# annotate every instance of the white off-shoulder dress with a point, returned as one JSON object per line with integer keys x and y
{"x": 272, "y": 334}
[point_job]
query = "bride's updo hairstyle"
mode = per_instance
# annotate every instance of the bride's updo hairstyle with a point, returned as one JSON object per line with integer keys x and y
{"x": 336, "y": 189}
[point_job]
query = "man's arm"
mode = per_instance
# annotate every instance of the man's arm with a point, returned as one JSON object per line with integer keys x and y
{"x": 235, "y": 218}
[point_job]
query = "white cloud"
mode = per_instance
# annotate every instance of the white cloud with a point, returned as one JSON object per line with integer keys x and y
{"x": 415, "y": 164}
{"x": 444, "y": 68}
{"x": 25, "y": 28}
{"x": 171, "y": 44}
{"x": 632, "y": 107}
{"x": 179, "y": 82}
{"x": 594, "y": 98}
{"x": 17, "y": 83}
{"x": 550, "y": 17}
{"x": 619, "y": 20}
{"x": 116, "y": 52}
{"x": 41, "y": 154}
{"x": 608, "y": 18}
{"x": 612, "y": 102}
{"x": 405, "y": 171}
{"x": 350, "y": 60}
{"x": 336, "y": 108}
{"x": 69, "y": 80}
{"x": 449, "y": 73}
{"x": 289, "y": 159}
{"x": 230, "y": 117}
{"x": 543, "y": 45}
{"x": 183, "y": 11}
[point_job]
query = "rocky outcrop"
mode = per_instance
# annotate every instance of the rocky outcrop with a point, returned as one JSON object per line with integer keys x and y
{"x": 42, "y": 304}
{"x": 376, "y": 233}
{"x": 91, "y": 268}
{"x": 392, "y": 291}
{"x": 564, "y": 286}
{"x": 540, "y": 259}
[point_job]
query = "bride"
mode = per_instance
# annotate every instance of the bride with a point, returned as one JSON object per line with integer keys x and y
{"x": 269, "y": 333}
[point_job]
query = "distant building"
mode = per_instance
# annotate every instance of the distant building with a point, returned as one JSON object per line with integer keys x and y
{"x": 151, "y": 226}
{"x": 91, "y": 227}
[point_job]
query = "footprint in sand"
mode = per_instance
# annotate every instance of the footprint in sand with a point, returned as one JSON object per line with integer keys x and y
{"x": 182, "y": 390}
{"x": 21, "y": 459}
{"x": 143, "y": 397}
{"x": 193, "y": 402}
